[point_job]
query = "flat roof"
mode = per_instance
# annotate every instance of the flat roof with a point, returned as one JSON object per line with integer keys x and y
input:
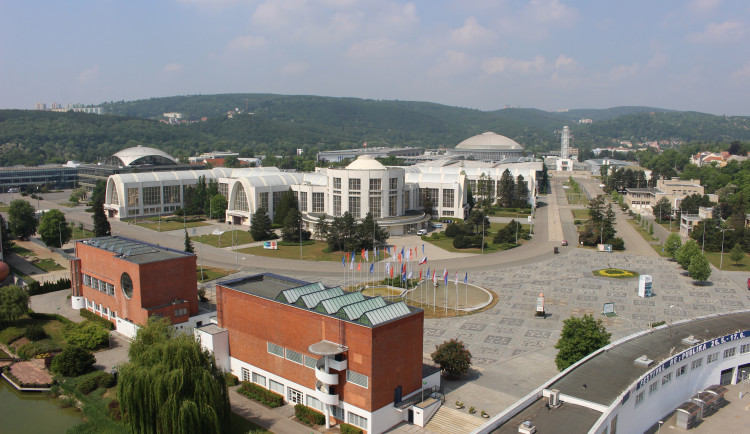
{"x": 211, "y": 329}
{"x": 135, "y": 251}
{"x": 266, "y": 285}
{"x": 605, "y": 376}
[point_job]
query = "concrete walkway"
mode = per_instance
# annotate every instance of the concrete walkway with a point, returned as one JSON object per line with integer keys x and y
{"x": 278, "y": 420}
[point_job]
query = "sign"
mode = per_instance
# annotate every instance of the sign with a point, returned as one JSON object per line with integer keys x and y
{"x": 217, "y": 232}
{"x": 688, "y": 353}
{"x": 270, "y": 245}
{"x": 608, "y": 309}
{"x": 531, "y": 220}
{"x": 644, "y": 285}
{"x": 604, "y": 248}
{"x": 540, "y": 303}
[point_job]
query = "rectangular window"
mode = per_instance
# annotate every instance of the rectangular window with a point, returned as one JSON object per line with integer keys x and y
{"x": 87, "y": 280}
{"x": 295, "y": 396}
{"x": 151, "y": 195}
{"x": 712, "y": 358}
{"x": 336, "y": 205}
{"x": 275, "y": 386}
{"x": 303, "y": 201}
{"x": 315, "y": 403}
{"x": 310, "y": 362}
{"x": 680, "y": 371}
{"x": 666, "y": 379}
{"x": 356, "y": 378}
{"x": 263, "y": 200}
{"x": 745, "y": 348}
{"x": 695, "y": 364}
{"x": 357, "y": 420}
{"x": 259, "y": 379}
{"x": 354, "y": 206}
{"x": 245, "y": 374}
{"x": 319, "y": 202}
{"x": 393, "y": 205}
{"x": 393, "y": 183}
{"x": 407, "y": 205}
{"x": 448, "y": 213}
{"x": 653, "y": 387}
{"x": 115, "y": 198}
{"x": 639, "y": 398}
{"x": 132, "y": 197}
{"x": 354, "y": 184}
{"x": 375, "y": 185}
{"x": 729, "y": 352}
{"x": 375, "y": 205}
{"x": 276, "y": 350}
{"x": 448, "y": 198}
{"x": 276, "y": 199}
{"x": 337, "y": 412}
{"x": 294, "y": 356}
{"x": 337, "y": 183}
{"x": 110, "y": 289}
{"x": 223, "y": 190}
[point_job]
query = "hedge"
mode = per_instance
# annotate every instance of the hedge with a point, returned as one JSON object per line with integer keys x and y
{"x": 90, "y": 384}
{"x": 49, "y": 316}
{"x": 11, "y": 334}
{"x": 231, "y": 379}
{"x": 261, "y": 394}
{"x": 36, "y": 288}
{"x": 308, "y": 416}
{"x": 91, "y": 316}
{"x": 349, "y": 429}
{"x": 31, "y": 349}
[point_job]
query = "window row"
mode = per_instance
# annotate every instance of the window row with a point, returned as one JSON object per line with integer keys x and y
{"x": 291, "y": 355}
{"x": 151, "y": 195}
{"x": 181, "y": 311}
{"x": 101, "y": 310}
{"x": 99, "y": 285}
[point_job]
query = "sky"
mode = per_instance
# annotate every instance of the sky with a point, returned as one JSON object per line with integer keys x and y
{"x": 483, "y": 54}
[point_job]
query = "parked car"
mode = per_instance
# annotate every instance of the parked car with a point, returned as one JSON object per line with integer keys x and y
{"x": 447, "y": 221}
{"x": 564, "y": 242}
{"x": 436, "y": 225}
{"x": 422, "y": 232}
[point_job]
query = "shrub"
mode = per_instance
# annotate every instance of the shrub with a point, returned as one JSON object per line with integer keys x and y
{"x": 35, "y": 332}
{"x": 88, "y": 334}
{"x": 88, "y": 385}
{"x": 105, "y": 380}
{"x": 36, "y": 288}
{"x": 31, "y": 349}
{"x": 10, "y": 335}
{"x": 617, "y": 243}
{"x": 231, "y": 379}
{"x": 91, "y": 316}
{"x": 308, "y": 416}
{"x": 452, "y": 230}
{"x": 349, "y": 429}
{"x": 261, "y": 394}
{"x": 73, "y": 361}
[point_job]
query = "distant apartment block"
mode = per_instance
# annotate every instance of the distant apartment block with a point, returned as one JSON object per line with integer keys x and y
{"x": 674, "y": 189}
{"x": 351, "y": 154}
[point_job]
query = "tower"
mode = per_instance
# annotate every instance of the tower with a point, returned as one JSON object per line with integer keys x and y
{"x": 564, "y": 143}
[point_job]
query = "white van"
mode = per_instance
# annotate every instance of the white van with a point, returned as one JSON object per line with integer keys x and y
{"x": 422, "y": 232}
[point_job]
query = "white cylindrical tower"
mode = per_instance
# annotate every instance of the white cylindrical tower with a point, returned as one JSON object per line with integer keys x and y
{"x": 564, "y": 143}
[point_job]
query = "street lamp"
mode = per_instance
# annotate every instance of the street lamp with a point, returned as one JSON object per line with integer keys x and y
{"x": 59, "y": 227}
{"x": 721, "y": 259}
{"x": 703, "y": 246}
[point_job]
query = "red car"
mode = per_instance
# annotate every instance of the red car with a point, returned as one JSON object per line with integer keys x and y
{"x": 564, "y": 242}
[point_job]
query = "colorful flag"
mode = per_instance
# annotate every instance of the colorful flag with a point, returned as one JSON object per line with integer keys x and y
{"x": 402, "y": 252}
{"x": 367, "y": 254}
{"x": 399, "y": 258}
{"x": 420, "y": 274}
{"x": 364, "y": 145}
{"x": 347, "y": 256}
{"x": 423, "y": 249}
{"x": 423, "y": 261}
{"x": 434, "y": 277}
{"x": 408, "y": 255}
{"x": 409, "y": 273}
{"x": 456, "y": 280}
{"x": 359, "y": 266}
{"x": 372, "y": 268}
{"x": 343, "y": 261}
{"x": 403, "y": 277}
{"x": 351, "y": 264}
{"x": 363, "y": 253}
{"x": 445, "y": 276}
{"x": 428, "y": 273}
{"x": 466, "y": 278}
{"x": 387, "y": 266}
{"x": 391, "y": 273}
{"x": 403, "y": 269}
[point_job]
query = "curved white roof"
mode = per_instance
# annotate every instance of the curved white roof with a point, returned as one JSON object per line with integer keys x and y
{"x": 489, "y": 141}
{"x": 131, "y": 178}
{"x": 365, "y": 162}
{"x": 274, "y": 179}
{"x": 129, "y": 155}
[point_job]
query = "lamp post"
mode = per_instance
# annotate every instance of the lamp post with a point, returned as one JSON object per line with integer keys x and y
{"x": 59, "y": 227}
{"x": 721, "y": 259}
{"x": 703, "y": 246}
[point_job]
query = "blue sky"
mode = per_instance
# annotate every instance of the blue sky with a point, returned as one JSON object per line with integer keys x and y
{"x": 484, "y": 54}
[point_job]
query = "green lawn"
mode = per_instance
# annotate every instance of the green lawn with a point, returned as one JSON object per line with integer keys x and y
{"x": 225, "y": 240}
{"x": 79, "y": 234}
{"x": 21, "y": 251}
{"x": 240, "y": 425}
{"x": 644, "y": 232}
{"x": 446, "y": 243}
{"x": 310, "y": 252}
{"x": 580, "y": 214}
{"x": 728, "y": 264}
{"x": 659, "y": 248}
{"x": 675, "y": 225}
{"x": 48, "y": 264}
{"x": 169, "y": 225}
{"x": 210, "y": 273}
{"x": 4, "y": 355}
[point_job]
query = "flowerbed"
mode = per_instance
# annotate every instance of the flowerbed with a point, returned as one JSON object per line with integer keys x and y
{"x": 615, "y": 273}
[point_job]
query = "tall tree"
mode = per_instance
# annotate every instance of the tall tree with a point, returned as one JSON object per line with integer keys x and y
{"x": 287, "y": 202}
{"x": 172, "y": 385}
{"x": 260, "y": 226}
{"x": 54, "y": 229}
{"x": 453, "y": 358}
{"x": 218, "y": 207}
{"x": 5, "y": 235}
{"x": 14, "y": 303}
{"x": 663, "y": 209}
{"x": 522, "y": 191}
{"x": 579, "y": 338}
{"x": 321, "y": 228}
{"x": 507, "y": 190}
{"x": 737, "y": 254}
{"x": 21, "y": 219}
{"x": 674, "y": 242}
{"x": 699, "y": 268}
{"x": 101, "y": 224}
{"x": 292, "y": 229}
{"x": 685, "y": 254}
{"x": 427, "y": 205}
{"x": 189, "y": 243}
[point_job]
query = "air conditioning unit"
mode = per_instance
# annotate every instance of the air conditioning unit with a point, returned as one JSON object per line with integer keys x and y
{"x": 554, "y": 398}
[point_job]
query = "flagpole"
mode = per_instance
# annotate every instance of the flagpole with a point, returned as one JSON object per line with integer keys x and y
{"x": 456, "y": 293}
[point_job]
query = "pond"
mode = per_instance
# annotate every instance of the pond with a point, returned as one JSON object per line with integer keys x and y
{"x": 32, "y": 412}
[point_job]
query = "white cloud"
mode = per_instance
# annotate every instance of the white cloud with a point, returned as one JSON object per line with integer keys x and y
{"x": 727, "y": 31}
{"x": 701, "y": 7}
{"x": 380, "y": 47}
{"x": 88, "y": 74}
{"x": 295, "y": 68}
{"x": 565, "y": 63}
{"x": 172, "y": 67}
{"x": 499, "y": 65}
{"x": 550, "y": 11}
{"x": 452, "y": 63}
{"x": 471, "y": 33}
{"x": 243, "y": 43}
{"x": 621, "y": 72}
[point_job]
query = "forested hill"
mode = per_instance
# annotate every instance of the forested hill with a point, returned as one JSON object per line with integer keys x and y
{"x": 280, "y": 124}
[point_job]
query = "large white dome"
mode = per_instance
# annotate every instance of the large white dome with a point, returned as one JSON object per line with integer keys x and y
{"x": 365, "y": 162}
{"x": 489, "y": 141}
{"x": 141, "y": 155}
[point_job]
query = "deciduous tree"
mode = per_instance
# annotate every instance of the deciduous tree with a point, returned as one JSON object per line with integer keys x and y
{"x": 579, "y": 338}
{"x": 21, "y": 219}
{"x": 14, "y": 303}
{"x": 737, "y": 254}
{"x": 662, "y": 209}
{"x": 685, "y": 254}
{"x": 699, "y": 268}
{"x": 54, "y": 229}
{"x": 73, "y": 361}
{"x": 453, "y": 358}
{"x": 673, "y": 243}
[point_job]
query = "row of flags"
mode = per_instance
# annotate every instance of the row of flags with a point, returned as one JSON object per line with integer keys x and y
{"x": 403, "y": 255}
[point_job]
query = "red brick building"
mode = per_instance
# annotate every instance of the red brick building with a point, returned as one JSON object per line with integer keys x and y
{"x": 127, "y": 281}
{"x": 353, "y": 358}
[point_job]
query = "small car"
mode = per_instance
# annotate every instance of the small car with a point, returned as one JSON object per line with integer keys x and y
{"x": 422, "y": 232}
{"x": 564, "y": 242}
